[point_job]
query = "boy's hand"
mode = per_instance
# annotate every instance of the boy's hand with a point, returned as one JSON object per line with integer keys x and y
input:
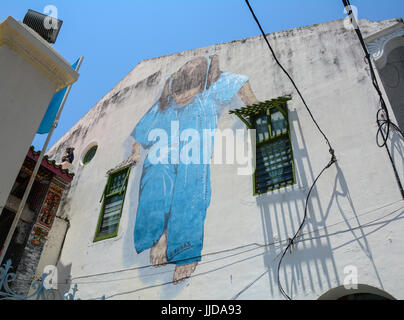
{"x": 135, "y": 151}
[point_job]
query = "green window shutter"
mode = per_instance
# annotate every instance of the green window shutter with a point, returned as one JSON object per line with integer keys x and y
{"x": 274, "y": 155}
{"x": 112, "y": 204}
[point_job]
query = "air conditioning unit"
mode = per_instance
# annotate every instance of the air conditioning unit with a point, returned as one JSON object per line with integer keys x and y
{"x": 46, "y": 26}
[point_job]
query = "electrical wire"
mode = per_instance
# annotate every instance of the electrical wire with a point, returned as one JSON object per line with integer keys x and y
{"x": 331, "y": 150}
{"x": 368, "y": 224}
{"x": 371, "y": 223}
{"x": 257, "y": 246}
{"x": 292, "y": 240}
{"x": 355, "y": 217}
{"x": 289, "y": 76}
{"x": 173, "y": 261}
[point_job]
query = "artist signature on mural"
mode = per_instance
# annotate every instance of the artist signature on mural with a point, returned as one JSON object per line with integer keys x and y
{"x": 207, "y": 311}
{"x": 185, "y": 246}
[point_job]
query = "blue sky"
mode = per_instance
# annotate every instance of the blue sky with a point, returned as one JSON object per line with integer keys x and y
{"x": 114, "y": 36}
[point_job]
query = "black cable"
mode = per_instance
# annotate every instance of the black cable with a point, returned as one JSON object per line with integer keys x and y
{"x": 331, "y": 150}
{"x": 382, "y": 117}
{"x": 290, "y": 78}
{"x": 382, "y": 122}
{"x": 292, "y": 240}
{"x": 368, "y": 224}
{"x": 256, "y": 244}
{"x": 180, "y": 260}
{"x": 386, "y": 122}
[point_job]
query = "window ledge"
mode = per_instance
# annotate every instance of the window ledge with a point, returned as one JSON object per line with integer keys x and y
{"x": 92, "y": 243}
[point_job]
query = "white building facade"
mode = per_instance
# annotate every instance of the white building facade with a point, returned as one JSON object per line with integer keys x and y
{"x": 155, "y": 216}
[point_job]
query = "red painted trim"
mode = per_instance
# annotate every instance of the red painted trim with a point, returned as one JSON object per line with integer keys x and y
{"x": 51, "y": 167}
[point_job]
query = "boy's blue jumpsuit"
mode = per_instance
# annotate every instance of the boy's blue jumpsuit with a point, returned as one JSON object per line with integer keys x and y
{"x": 172, "y": 194}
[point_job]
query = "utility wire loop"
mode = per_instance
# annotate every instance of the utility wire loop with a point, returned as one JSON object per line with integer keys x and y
{"x": 385, "y": 121}
{"x": 382, "y": 117}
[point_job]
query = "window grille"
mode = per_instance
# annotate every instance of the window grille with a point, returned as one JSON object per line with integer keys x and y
{"x": 274, "y": 154}
{"x": 112, "y": 204}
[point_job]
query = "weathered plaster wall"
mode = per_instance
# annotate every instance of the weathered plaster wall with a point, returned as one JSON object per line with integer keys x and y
{"x": 355, "y": 212}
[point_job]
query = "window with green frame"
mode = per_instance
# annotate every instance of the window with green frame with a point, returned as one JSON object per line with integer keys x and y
{"x": 274, "y": 154}
{"x": 90, "y": 154}
{"x": 112, "y": 204}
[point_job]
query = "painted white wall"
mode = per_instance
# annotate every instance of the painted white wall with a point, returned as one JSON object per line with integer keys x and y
{"x": 31, "y": 72}
{"x": 51, "y": 250}
{"x": 355, "y": 212}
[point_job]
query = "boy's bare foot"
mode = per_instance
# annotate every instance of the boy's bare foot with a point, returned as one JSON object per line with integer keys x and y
{"x": 184, "y": 271}
{"x": 158, "y": 253}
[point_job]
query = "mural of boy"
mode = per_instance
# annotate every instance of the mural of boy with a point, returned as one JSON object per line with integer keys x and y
{"x": 174, "y": 196}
